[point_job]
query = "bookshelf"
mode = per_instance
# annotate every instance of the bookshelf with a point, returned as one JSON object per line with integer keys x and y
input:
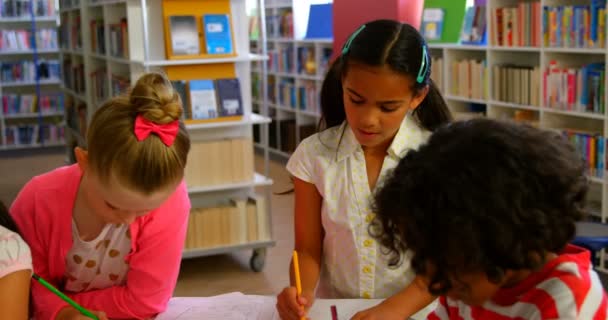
{"x": 295, "y": 74}
{"x": 536, "y": 78}
{"x": 108, "y": 44}
{"x": 32, "y": 105}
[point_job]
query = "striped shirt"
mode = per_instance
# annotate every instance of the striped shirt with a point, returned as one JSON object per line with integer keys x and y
{"x": 566, "y": 288}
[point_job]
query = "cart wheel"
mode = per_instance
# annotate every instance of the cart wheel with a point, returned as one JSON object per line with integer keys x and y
{"x": 257, "y": 260}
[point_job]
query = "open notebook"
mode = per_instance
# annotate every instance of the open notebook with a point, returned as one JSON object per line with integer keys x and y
{"x": 238, "y": 306}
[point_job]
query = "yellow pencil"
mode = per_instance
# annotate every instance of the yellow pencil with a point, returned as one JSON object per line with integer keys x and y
{"x": 296, "y": 270}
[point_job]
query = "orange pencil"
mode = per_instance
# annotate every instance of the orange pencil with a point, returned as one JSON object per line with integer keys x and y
{"x": 296, "y": 271}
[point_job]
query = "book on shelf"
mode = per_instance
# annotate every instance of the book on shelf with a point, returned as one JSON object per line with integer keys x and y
{"x": 306, "y": 62}
{"x": 119, "y": 39}
{"x": 26, "y": 71}
{"x": 120, "y": 84}
{"x": 181, "y": 86}
{"x": 516, "y": 84}
{"x": 592, "y": 147}
{"x": 574, "y": 89}
{"x": 15, "y": 104}
{"x": 280, "y": 25}
{"x": 21, "y": 40}
{"x": 452, "y": 19}
{"x": 469, "y": 78}
{"x": 281, "y": 59}
{"x": 31, "y": 134}
{"x": 229, "y": 97}
{"x": 218, "y": 33}
{"x": 237, "y": 222}
{"x": 320, "y": 21}
{"x": 517, "y": 25}
{"x": 98, "y": 31}
{"x": 474, "y": 26}
{"x": 99, "y": 82}
{"x": 437, "y": 72}
{"x": 21, "y": 8}
{"x": 203, "y": 99}
{"x": 73, "y": 75}
{"x": 223, "y": 162}
{"x": 432, "y": 23}
{"x": 184, "y": 35}
{"x": 575, "y": 26}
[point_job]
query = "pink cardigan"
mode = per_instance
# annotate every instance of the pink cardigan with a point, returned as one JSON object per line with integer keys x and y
{"x": 43, "y": 212}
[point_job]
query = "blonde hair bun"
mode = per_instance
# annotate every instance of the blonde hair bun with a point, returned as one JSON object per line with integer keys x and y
{"x": 153, "y": 96}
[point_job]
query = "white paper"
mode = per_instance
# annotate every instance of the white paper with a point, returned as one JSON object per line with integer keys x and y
{"x": 232, "y": 306}
{"x": 237, "y": 306}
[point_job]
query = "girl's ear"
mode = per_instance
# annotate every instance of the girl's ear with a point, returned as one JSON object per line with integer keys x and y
{"x": 82, "y": 158}
{"x": 419, "y": 97}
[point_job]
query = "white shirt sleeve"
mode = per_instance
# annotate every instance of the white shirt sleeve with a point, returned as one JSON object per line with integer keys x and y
{"x": 14, "y": 253}
{"x": 301, "y": 162}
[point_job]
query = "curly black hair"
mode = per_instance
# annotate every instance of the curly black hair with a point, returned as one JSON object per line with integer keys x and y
{"x": 481, "y": 195}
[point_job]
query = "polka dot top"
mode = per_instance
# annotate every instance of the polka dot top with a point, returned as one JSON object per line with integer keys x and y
{"x": 99, "y": 263}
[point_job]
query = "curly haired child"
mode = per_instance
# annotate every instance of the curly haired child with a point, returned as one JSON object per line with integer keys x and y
{"x": 488, "y": 208}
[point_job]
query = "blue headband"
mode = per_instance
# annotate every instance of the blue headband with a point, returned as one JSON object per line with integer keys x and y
{"x": 350, "y": 40}
{"x": 423, "y": 66}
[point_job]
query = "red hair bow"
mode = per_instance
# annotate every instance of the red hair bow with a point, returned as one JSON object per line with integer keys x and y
{"x": 166, "y": 132}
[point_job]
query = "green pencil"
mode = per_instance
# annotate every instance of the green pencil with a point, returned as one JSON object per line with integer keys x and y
{"x": 64, "y": 297}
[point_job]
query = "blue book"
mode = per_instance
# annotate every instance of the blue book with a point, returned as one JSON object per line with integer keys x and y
{"x": 320, "y": 21}
{"x": 203, "y": 99}
{"x": 229, "y": 96}
{"x": 218, "y": 36}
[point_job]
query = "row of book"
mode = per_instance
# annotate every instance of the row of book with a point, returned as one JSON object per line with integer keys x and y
{"x": 219, "y": 162}
{"x": 76, "y": 115}
{"x": 516, "y": 84}
{"x": 210, "y": 98}
{"x": 65, "y": 4}
{"x": 575, "y": 89}
{"x": 98, "y": 36}
{"x": 70, "y": 32}
{"x": 99, "y": 82}
{"x": 303, "y": 97}
{"x": 579, "y": 26}
{"x": 437, "y": 72}
{"x": 118, "y": 37}
{"x": 120, "y": 84}
{"x": 282, "y": 60}
{"x": 280, "y": 25}
{"x": 592, "y": 147}
{"x": 517, "y": 25}
{"x": 240, "y": 221}
{"x": 469, "y": 78}
{"x": 186, "y": 37}
{"x": 30, "y": 134}
{"x": 14, "y": 104}
{"x": 21, "y": 8}
{"x": 73, "y": 75}
{"x": 25, "y": 71}
{"x": 21, "y": 40}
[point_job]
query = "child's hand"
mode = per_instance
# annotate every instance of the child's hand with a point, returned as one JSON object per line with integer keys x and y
{"x": 69, "y": 313}
{"x": 291, "y": 307}
{"x": 381, "y": 311}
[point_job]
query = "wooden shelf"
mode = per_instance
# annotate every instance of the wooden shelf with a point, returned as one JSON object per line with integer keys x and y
{"x": 258, "y": 181}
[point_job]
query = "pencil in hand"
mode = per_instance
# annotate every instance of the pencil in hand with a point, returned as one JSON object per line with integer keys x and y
{"x": 296, "y": 271}
{"x": 65, "y": 298}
